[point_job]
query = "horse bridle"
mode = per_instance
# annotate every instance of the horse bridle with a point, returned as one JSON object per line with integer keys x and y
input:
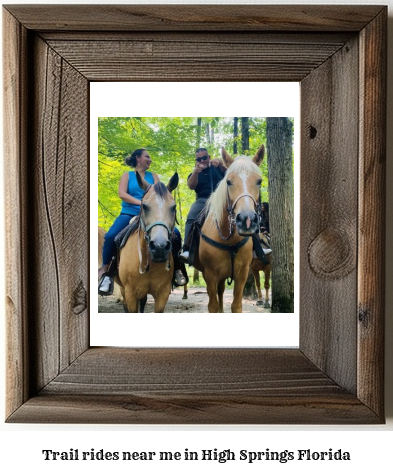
{"x": 146, "y": 235}
{"x": 231, "y": 212}
{"x": 232, "y": 249}
{"x": 147, "y": 229}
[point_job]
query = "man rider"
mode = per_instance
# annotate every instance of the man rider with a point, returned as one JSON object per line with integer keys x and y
{"x": 203, "y": 180}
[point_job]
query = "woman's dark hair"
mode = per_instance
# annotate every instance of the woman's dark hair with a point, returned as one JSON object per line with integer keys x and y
{"x": 131, "y": 159}
{"x": 265, "y": 217}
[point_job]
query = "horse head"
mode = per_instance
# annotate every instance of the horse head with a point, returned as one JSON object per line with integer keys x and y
{"x": 243, "y": 180}
{"x": 157, "y": 217}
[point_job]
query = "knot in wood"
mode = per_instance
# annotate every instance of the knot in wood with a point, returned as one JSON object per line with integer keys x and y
{"x": 80, "y": 299}
{"x": 313, "y": 132}
{"x": 330, "y": 254}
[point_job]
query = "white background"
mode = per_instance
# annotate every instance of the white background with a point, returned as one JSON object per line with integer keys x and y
{"x": 370, "y": 446}
{"x": 173, "y": 99}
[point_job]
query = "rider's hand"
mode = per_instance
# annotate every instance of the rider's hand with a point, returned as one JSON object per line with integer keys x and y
{"x": 216, "y": 162}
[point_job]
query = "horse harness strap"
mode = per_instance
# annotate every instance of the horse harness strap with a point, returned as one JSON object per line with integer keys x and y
{"x": 149, "y": 227}
{"x": 232, "y": 206}
{"x": 146, "y": 231}
{"x": 231, "y": 214}
{"x": 232, "y": 249}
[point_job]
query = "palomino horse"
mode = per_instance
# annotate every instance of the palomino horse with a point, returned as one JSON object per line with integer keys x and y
{"x": 225, "y": 247}
{"x": 256, "y": 266}
{"x": 101, "y": 238}
{"x": 146, "y": 262}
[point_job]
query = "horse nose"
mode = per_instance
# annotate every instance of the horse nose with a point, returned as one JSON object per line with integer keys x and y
{"x": 159, "y": 249}
{"x": 247, "y": 222}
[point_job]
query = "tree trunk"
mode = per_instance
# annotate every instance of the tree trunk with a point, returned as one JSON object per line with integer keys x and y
{"x": 281, "y": 209}
{"x": 178, "y": 204}
{"x": 198, "y": 132}
{"x": 195, "y": 277}
{"x": 235, "y": 133}
{"x": 245, "y": 135}
{"x": 207, "y": 129}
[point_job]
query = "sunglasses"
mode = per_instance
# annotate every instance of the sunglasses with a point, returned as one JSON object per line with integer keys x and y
{"x": 202, "y": 158}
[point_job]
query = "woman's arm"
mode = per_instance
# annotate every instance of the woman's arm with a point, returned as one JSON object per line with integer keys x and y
{"x": 156, "y": 178}
{"x": 123, "y": 194}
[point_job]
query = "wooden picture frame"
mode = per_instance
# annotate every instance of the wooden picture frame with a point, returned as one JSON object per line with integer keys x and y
{"x": 338, "y": 54}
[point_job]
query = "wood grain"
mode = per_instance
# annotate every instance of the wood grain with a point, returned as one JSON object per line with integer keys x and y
{"x": 336, "y": 375}
{"x": 187, "y": 60}
{"x": 196, "y": 18}
{"x": 372, "y": 196}
{"x": 193, "y": 386}
{"x": 59, "y": 174}
{"x": 16, "y": 224}
{"x": 329, "y": 163}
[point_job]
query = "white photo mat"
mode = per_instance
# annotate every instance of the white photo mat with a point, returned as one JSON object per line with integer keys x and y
{"x": 184, "y": 99}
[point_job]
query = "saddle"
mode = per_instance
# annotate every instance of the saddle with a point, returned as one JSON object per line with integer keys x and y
{"x": 122, "y": 237}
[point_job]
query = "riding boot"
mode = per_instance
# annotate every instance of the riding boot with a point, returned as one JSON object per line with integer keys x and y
{"x": 102, "y": 270}
{"x": 106, "y": 283}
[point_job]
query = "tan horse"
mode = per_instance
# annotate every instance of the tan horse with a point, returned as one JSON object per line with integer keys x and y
{"x": 225, "y": 247}
{"x": 101, "y": 238}
{"x": 256, "y": 266}
{"x": 146, "y": 262}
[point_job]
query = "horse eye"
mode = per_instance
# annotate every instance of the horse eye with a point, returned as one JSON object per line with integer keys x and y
{"x": 173, "y": 208}
{"x": 229, "y": 182}
{"x": 259, "y": 182}
{"x": 145, "y": 207}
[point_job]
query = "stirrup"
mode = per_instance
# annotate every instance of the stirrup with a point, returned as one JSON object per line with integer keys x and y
{"x": 111, "y": 285}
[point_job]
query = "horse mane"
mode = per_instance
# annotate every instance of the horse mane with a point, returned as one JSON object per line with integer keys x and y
{"x": 160, "y": 189}
{"x": 217, "y": 202}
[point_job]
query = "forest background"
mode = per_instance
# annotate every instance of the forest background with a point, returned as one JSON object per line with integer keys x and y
{"x": 171, "y": 142}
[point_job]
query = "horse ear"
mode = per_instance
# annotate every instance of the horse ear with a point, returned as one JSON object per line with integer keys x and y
{"x": 142, "y": 182}
{"x": 228, "y": 160}
{"x": 173, "y": 182}
{"x": 258, "y": 158}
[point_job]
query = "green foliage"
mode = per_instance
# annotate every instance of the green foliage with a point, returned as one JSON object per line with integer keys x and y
{"x": 171, "y": 142}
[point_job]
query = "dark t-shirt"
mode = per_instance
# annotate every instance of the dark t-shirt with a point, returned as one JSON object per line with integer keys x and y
{"x": 208, "y": 180}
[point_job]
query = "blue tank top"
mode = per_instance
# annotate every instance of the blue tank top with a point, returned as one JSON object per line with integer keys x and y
{"x": 135, "y": 191}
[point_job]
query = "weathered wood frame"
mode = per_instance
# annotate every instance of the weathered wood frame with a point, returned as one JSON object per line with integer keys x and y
{"x": 338, "y": 53}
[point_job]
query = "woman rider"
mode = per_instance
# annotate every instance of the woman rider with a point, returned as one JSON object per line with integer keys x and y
{"x": 131, "y": 195}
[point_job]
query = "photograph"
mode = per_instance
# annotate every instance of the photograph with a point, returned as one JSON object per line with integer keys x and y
{"x": 192, "y": 210}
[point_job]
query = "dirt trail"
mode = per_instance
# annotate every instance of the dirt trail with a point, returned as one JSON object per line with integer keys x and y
{"x": 195, "y": 303}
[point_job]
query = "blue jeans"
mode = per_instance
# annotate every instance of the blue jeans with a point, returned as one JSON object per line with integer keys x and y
{"x": 195, "y": 209}
{"x": 109, "y": 249}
